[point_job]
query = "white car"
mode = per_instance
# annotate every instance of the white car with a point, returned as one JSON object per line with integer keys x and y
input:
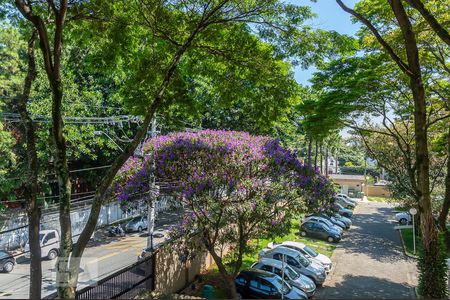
{"x": 346, "y": 197}
{"x": 49, "y": 241}
{"x": 403, "y": 217}
{"x": 306, "y": 251}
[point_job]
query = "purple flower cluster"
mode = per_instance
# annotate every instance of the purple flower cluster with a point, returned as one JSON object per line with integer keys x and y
{"x": 209, "y": 160}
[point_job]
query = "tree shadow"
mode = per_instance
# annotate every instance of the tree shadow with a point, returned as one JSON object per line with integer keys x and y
{"x": 365, "y": 287}
{"x": 373, "y": 235}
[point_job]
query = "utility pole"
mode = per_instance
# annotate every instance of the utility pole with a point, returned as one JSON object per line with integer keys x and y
{"x": 153, "y": 193}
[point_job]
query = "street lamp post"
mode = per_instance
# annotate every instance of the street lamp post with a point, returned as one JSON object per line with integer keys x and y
{"x": 413, "y": 212}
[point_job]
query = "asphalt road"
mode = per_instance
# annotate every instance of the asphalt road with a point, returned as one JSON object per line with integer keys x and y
{"x": 369, "y": 262}
{"x": 102, "y": 257}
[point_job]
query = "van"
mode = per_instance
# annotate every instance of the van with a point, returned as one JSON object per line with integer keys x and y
{"x": 49, "y": 241}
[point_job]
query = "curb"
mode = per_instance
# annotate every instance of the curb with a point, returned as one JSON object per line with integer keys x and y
{"x": 404, "y": 247}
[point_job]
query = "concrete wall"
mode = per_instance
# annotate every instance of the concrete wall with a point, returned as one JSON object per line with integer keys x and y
{"x": 172, "y": 275}
{"x": 376, "y": 191}
{"x": 14, "y": 233}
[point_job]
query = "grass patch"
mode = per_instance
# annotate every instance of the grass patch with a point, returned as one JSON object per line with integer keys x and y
{"x": 379, "y": 199}
{"x": 407, "y": 235}
{"x": 213, "y": 277}
{"x": 320, "y": 246}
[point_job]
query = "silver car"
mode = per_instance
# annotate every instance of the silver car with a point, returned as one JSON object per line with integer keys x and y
{"x": 306, "y": 251}
{"x": 297, "y": 261}
{"x": 138, "y": 223}
{"x": 290, "y": 275}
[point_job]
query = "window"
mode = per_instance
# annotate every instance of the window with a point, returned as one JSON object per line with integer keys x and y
{"x": 254, "y": 283}
{"x": 308, "y": 225}
{"x": 241, "y": 280}
{"x": 266, "y": 268}
{"x": 278, "y": 256}
{"x": 287, "y": 272}
{"x": 51, "y": 235}
{"x": 265, "y": 286}
{"x": 291, "y": 261}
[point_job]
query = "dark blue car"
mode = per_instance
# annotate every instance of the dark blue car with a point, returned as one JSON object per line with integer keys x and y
{"x": 320, "y": 231}
{"x": 259, "y": 284}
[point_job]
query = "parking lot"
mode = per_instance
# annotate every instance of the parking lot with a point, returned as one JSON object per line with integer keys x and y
{"x": 369, "y": 262}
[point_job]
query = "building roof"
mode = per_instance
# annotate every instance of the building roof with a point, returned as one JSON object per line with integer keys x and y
{"x": 347, "y": 177}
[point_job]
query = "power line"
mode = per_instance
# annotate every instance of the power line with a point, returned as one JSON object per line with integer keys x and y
{"x": 70, "y": 171}
{"x": 112, "y": 120}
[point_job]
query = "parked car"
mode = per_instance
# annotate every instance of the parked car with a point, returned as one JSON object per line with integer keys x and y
{"x": 324, "y": 221}
{"x": 49, "y": 240}
{"x": 333, "y": 220}
{"x": 297, "y": 261}
{"x": 320, "y": 231}
{"x": 138, "y": 223}
{"x": 347, "y": 198}
{"x": 306, "y": 251}
{"x": 342, "y": 210}
{"x": 7, "y": 261}
{"x": 403, "y": 218}
{"x": 290, "y": 275}
{"x": 343, "y": 219}
{"x": 259, "y": 284}
{"x": 345, "y": 203}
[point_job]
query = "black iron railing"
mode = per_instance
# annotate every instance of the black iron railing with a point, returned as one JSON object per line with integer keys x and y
{"x": 125, "y": 283}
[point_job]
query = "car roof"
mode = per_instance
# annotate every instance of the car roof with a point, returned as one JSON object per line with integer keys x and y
{"x": 257, "y": 273}
{"x": 283, "y": 250}
{"x": 294, "y": 244}
{"x": 271, "y": 262}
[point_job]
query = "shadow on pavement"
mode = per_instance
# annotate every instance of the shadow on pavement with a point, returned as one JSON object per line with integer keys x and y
{"x": 365, "y": 287}
{"x": 373, "y": 235}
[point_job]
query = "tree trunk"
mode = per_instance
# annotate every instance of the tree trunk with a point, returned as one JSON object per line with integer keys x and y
{"x": 326, "y": 161}
{"x": 229, "y": 280}
{"x": 106, "y": 181}
{"x": 31, "y": 185}
{"x": 316, "y": 153}
{"x": 321, "y": 157}
{"x": 62, "y": 172}
{"x": 446, "y": 206}
{"x": 309, "y": 151}
{"x": 336, "y": 162}
{"x": 430, "y": 279}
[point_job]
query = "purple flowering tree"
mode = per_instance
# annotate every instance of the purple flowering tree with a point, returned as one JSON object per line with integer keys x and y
{"x": 234, "y": 187}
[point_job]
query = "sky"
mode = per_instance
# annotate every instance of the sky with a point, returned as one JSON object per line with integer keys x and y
{"x": 330, "y": 17}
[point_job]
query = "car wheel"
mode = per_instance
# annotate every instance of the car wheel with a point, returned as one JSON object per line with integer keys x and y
{"x": 52, "y": 254}
{"x": 302, "y": 233}
{"x": 139, "y": 228}
{"x": 330, "y": 239}
{"x": 8, "y": 267}
{"x": 403, "y": 221}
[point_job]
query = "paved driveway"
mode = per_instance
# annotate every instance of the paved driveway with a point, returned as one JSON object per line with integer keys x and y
{"x": 369, "y": 261}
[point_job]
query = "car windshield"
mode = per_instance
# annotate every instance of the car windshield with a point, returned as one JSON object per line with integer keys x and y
{"x": 290, "y": 272}
{"x": 41, "y": 236}
{"x": 285, "y": 288}
{"x": 325, "y": 226}
{"x": 135, "y": 220}
{"x": 303, "y": 260}
{"x": 339, "y": 206}
{"x": 310, "y": 251}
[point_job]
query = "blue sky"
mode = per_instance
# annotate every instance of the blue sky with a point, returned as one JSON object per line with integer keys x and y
{"x": 330, "y": 17}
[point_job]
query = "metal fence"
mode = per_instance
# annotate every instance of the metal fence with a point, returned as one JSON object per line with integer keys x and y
{"x": 125, "y": 283}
